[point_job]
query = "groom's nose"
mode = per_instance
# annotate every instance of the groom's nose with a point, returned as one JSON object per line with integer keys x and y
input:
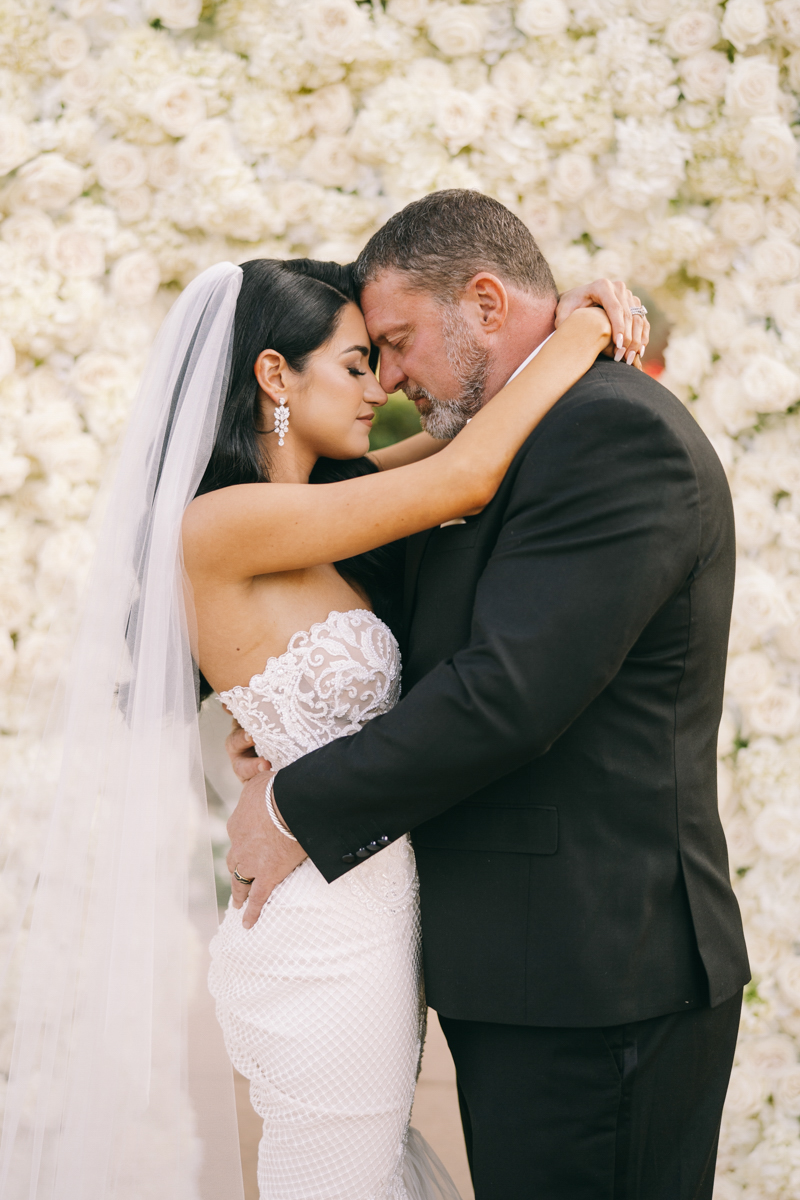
{"x": 390, "y": 373}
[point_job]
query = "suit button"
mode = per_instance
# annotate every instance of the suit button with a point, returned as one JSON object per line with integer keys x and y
{"x": 384, "y": 841}
{"x": 374, "y": 847}
{"x": 348, "y": 858}
{"x": 362, "y": 853}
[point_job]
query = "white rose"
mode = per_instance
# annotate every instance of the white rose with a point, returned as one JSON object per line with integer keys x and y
{"x": 688, "y": 360}
{"x": 770, "y": 1055}
{"x": 757, "y": 520}
{"x": 653, "y": 12}
{"x": 331, "y": 109}
{"x": 30, "y": 231}
{"x": 572, "y": 177}
{"x": 67, "y": 46}
{"x": 8, "y": 357}
{"x": 786, "y": 306}
{"x": 704, "y": 76}
{"x": 786, "y": 19}
{"x": 409, "y": 12}
{"x": 120, "y": 165}
{"x": 132, "y": 204}
{"x": 334, "y": 28}
{"x": 77, "y": 254}
{"x": 602, "y": 210}
{"x": 542, "y": 217}
{"x": 759, "y": 606}
{"x": 81, "y": 87}
{"x": 165, "y": 170}
{"x": 726, "y": 797}
{"x": 739, "y": 221}
{"x": 751, "y": 88}
{"x": 516, "y": 78}
{"x": 777, "y": 831}
{"x": 15, "y": 145}
{"x": 692, "y": 32}
{"x": 787, "y": 1092}
{"x": 208, "y": 148}
{"x": 459, "y": 118}
{"x": 746, "y": 1093}
{"x": 770, "y": 151}
{"x": 749, "y": 675}
{"x": 175, "y": 14}
{"x": 49, "y": 183}
{"x": 769, "y": 385}
{"x": 98, "y": 374}
{"x": 742, "y": 849}
{"x": 726, "y": 739}
{"x": 79, "y": 10}
{"x": 14, "y": 470}
{"x": 330, "y": 163}
{"x": 776, "y": 260}
{"x": 135, "y": 278}
{"x": 776, "y": 713}
{"x": 460, "y": 30}
{"x": 745, "y": 23}
{"x": 789, "y": 980}
{"x": 782, "y": 219}
{"x": 178, "y": 106}
{"x": 542, "y": 18}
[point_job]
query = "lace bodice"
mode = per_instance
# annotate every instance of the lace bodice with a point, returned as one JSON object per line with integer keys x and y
{"x": 327, "y": 684}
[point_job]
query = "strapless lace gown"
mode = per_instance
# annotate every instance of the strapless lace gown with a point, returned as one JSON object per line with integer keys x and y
{"x": 321, "y": 1002}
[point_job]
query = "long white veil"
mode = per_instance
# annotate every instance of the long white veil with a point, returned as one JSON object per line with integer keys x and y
{"x": 120, "y": 1088}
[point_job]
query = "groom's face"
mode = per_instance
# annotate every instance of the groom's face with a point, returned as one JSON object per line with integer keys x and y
{"x": 428, "y": 350}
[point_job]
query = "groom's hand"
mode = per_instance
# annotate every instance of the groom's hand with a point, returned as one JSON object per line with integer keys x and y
{"x": 630, "y": 334}
{"x": 242, "y": 753}
{"x": 258, "y": 851}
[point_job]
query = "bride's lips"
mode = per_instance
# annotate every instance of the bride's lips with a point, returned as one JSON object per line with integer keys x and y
{"x": 367, "y": 420}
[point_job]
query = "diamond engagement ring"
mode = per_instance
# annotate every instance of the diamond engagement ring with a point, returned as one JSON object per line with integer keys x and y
{"x": 638, "y": 310}
{"x": 242, "y": 879}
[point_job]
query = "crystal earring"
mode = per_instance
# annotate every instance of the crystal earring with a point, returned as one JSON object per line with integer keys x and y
{"x": 281, "y": 419}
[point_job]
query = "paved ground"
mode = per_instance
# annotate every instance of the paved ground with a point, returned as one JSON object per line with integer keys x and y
{"x": 435, "y": 1115}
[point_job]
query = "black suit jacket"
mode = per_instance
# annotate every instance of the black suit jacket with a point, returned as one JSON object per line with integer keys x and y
{"x": 554, "y": 753}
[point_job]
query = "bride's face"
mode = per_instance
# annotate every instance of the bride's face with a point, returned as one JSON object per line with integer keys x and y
{"x": 332, "y": 403}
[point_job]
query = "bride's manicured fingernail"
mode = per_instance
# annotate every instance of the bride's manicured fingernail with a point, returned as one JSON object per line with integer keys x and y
{"x": 630, "y": 357}
{"x": 618, "y": 354}
{"x": 641, "y": 351}
{"x": 618, "y": 342}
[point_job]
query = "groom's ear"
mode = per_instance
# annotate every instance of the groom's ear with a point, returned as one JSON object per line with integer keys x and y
{"x": 487, "y": 297}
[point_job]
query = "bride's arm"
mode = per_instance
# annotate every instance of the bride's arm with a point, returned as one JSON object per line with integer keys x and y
{"x": 258, "y": 529}
{"x": 410, "y": 450}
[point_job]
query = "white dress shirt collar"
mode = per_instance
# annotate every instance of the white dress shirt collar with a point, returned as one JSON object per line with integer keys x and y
{"x": 530, "y": 358}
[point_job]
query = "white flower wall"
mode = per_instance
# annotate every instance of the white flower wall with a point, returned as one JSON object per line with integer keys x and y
{"x": 648, "y": 139}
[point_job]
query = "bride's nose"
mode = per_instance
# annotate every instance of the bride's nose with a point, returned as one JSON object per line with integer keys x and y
{"x": 374, "y": 393}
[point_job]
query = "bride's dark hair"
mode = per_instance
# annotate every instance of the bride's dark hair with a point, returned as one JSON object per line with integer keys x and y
{"x": 294, "y": 307}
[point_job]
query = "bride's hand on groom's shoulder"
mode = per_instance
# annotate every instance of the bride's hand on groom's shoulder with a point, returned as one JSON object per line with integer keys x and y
{"x": 630, "y": 333}
{"x": 242, "y": 753}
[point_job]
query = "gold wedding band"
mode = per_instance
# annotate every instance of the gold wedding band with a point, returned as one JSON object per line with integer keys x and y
{"x": 242, "y": 879}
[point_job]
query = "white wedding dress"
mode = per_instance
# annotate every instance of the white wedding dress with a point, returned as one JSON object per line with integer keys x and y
{"x": 321, "y": 1002}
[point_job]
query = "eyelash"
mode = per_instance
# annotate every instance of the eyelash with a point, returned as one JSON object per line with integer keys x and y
{"x": 355, "y": 371}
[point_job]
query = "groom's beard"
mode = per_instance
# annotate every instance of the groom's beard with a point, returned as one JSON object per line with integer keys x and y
{"x": 471, "y": 363}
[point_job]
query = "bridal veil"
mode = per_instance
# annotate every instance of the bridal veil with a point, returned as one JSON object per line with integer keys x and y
{"x": 120, "y": 1088}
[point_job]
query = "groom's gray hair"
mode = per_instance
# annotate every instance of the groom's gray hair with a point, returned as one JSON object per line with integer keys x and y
{"x": 444, "y": 239}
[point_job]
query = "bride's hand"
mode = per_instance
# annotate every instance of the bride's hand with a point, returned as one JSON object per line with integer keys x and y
{"x": 259, "y": 851}
{"x": 630, "y": 334}
{"x": 242, "y": 753}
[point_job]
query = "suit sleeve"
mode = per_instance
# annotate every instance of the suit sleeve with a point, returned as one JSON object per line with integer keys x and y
{"x": 601, "y": 527}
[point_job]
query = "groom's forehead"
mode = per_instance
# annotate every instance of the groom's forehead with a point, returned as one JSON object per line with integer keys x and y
{"x": 390, "y": 307}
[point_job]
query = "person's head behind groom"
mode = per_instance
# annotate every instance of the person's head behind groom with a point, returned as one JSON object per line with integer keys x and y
{"x": 456, "y": 294}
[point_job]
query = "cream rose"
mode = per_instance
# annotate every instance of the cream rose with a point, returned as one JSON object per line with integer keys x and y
{"x": 704, "y": 76}
{"x": 79, "y": 10}
{"x": 459, "y": 118}
{"x": 739, "y": 221}
{"x": 776, "y": 260}
{"x": 8, "y": 356}
{"x": 751, "y": 88}
{"x": 688, "y": 360}
{"x": 409, "y": 12}
{"x": 742, "y": 849}
{"x": 653, "y": 12}
{"x": 120, "y": 165}
{"x": 726, "y": 797}
{"x": 331, "y": 109}
{"x": 49, "y": 183}
{"x": 745, "y": 23}
{"x": 692, "y": 32}
{"x": 777, "y": 831}
{"x": 770, "y": 150}
{"x": 789, "y": 980}
{"x": 14, "y": 470}
{"x": 175, "y": 14}
{"x": 15, "y": 145}
{"x": 135, "y": 278}
{"x": 787, "y": 1092}
{"x": 132, "y": 204}
{"x": 786, "y": 306}
{"x": 208, "y": 148}
{"x": 178, "y": 106}
{"x": 775, "y": 713}
{"x": 458, "y": 31}
{"x": 746, "y": 1093}
{"x": 571, "y": 178}
{"x": 77, "y": 254}
{"x": 782, "y": 219}
{"x": 749, "y": 675}
{"x": 334, "y": 28}
{"x": 759, "y": 606}
{"x": 80, "y": 87}
{"x": 542, "y": 217}
{"x": 164, "y": 169}
{"x": 786, "y": 20}
{"x": 542, "y": 18}
{"x": 67, "y": 46}
{"x": 30, "y": 231}
{"x": 330, "y": 163}
{"x": 769, "y": 385}
{"x": 770, "y": 1055}
{"x": 516, "y": 78}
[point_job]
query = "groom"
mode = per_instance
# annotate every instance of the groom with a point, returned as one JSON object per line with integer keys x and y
{"x": 554, "y": 753}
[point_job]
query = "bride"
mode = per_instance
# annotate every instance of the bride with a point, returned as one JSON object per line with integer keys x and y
{"x": 214, "y": 552}
{"x": 320, "y": 1002}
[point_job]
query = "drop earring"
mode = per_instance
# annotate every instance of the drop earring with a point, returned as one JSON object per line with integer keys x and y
{"x": 281, "y": 419}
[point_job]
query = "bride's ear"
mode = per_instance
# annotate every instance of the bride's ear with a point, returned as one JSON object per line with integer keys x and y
{"x": 272, "y": 374}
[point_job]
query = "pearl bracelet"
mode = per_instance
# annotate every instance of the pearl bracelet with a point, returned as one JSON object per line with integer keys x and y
{"x": 276, "y": 821}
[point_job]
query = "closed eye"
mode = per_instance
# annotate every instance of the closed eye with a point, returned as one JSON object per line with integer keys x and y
{"x": 355, "y": 371}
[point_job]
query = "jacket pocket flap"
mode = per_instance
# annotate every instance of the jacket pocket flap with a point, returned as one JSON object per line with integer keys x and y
{"x": 524, "y": 829}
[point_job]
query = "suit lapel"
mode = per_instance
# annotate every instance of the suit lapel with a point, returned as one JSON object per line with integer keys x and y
{"x": 414, "y": 552}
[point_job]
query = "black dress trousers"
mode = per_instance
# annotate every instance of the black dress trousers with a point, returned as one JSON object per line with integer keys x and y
{"x": 626, "y": 1112}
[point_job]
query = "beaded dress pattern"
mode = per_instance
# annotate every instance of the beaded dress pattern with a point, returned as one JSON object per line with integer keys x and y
{"x": 321, "y": 1002}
